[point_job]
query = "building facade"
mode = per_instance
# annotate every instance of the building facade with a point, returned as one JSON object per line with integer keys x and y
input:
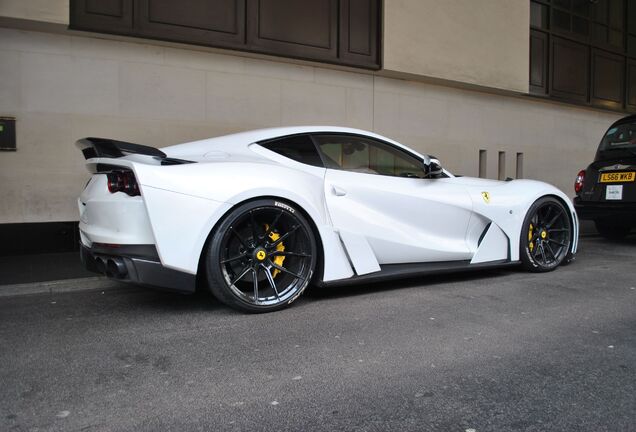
{"x": 493, "y": 88}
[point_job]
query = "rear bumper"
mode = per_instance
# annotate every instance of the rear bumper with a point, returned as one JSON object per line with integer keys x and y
{"x": 112, "y": 217}
{"x": 135, "y": 264}
{"x": 592, "y": 210}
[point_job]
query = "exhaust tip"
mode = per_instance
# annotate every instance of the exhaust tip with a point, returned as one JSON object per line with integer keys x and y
{"x": 115, "y": 268}
{"x": 100, "y": 265}
{"x": 110, "y": 268}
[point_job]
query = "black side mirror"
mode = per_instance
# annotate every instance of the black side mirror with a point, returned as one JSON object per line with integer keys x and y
{"x": 432, "y": 168}
{"x": 435, "y": 170}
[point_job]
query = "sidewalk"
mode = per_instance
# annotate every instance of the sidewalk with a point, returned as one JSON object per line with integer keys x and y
{"x": 30, "y": 268}
{"x": 48, "y": 273}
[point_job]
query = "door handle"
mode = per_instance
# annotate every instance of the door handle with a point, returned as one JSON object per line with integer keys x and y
{"x": 338, "y": 191}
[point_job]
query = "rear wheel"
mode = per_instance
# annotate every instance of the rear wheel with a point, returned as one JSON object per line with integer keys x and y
{"x": 546, "y": 235}
{"x": 261, "y": 257}
{"x": 612, "y": 230}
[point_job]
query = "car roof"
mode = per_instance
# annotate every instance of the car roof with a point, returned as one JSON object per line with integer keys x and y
{"x": 238, "y": 142}
{"x": 627, "y": 119}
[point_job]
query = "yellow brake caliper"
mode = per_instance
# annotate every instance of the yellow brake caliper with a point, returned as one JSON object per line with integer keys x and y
{"x": 530, "y": 243}
{"x": 273, "y": 236}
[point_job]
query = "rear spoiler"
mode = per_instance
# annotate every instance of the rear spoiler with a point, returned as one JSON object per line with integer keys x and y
{"x": 108, "y": 148}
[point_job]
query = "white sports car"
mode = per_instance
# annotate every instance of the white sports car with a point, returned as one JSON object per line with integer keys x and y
{"x": 257, "y": 216}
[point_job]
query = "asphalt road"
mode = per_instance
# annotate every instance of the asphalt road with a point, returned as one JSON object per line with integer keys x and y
{"x": 489, "y": 351}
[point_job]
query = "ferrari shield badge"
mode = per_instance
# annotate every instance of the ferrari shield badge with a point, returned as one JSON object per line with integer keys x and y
{"x": 486, "y": 197}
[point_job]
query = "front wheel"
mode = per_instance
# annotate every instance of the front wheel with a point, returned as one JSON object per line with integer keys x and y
{"x": 546, "y": 235}
{"x": 261, "y": 257}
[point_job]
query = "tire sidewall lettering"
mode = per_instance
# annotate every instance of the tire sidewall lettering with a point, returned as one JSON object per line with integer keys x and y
{"x": 529, "y": 261}
{"x": 217, "y": 282}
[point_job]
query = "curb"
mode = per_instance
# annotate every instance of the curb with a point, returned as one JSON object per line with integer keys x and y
{"x": 59, "y": 286}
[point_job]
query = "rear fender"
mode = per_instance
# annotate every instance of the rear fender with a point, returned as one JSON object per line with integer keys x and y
{"x": 335, "y": 262}
{"x": 185, "y": 202}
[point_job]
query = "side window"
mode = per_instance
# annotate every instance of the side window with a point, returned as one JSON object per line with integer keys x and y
{"x": 364, "y": 155}
{"x": 299, "y": 148}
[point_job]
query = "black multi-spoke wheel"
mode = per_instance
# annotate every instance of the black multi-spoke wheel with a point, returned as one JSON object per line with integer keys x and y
{"x": 546, "y": 235}
{"x": 262, "y": 256}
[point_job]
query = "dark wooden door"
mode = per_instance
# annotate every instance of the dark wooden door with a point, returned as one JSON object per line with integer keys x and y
{"x": 108, "y": 16}
{"x": 305, "y": 29}
{"x": 219, "y": 22}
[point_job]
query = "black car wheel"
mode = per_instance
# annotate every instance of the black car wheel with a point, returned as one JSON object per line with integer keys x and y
{"x": 612, "y": 230}
{"x": 261, "y": 257}
{"x": 546, "y": 235}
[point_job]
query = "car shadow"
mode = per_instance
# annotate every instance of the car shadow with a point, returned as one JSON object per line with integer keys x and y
{"x": 152, "y": 299}
{"x": 629, "y": 240}
{"x": 203, "y": 301}
{"x": 433, "y": 281}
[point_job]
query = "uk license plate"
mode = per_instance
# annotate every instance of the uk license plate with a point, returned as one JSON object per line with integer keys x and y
{"x": 618, "y": 177}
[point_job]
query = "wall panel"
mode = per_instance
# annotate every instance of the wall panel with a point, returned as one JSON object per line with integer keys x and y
{"x": 196, "y": 21}
{"x": 111, "y": 16}
{"x": 569, "y": 78}
{"x": 608, "y": 77}
{"x": 359, "y": 38}
{"x": 538, "y": 62}
{"x": 297, "y": 29}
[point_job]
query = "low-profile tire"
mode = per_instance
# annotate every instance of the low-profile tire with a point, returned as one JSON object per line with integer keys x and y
{"x": 612, "y": 230}
{"x": 261, "y": 257}
{"x": 546, "y": 235}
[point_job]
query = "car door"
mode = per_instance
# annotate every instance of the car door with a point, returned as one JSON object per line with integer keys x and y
{"x": 380, "y": 203}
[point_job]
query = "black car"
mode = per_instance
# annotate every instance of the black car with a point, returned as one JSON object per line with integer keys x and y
{"x": 606, "y": 190}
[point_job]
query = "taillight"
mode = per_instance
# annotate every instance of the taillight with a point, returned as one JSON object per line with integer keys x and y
{"x": 123, "y": 181}
{"x": 580, "y": 180}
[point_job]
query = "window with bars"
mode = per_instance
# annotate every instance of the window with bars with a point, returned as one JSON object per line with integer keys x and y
{"x": 584, "y": 51}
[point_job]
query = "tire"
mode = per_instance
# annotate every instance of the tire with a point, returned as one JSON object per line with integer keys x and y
{"x": 546, "y": 236}
{"x": 261, "y": 256}
{"x": 612, "y": 230}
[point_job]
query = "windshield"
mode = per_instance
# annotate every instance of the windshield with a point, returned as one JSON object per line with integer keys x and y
{"x": 620, "y": 140}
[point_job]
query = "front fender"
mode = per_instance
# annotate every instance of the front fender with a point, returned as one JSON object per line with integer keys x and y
{"x": 509, "y": 202}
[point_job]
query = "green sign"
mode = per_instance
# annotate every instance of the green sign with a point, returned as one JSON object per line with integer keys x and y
{"x": 1, "y": 128}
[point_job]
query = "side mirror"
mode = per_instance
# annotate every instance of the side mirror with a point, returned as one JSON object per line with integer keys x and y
{"x": 432, "y": 167}
{"x": 434, "y": 170}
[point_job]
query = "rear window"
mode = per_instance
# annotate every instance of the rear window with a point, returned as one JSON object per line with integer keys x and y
{"x": 619, "y": 141}
{"x": 299, "y": 148}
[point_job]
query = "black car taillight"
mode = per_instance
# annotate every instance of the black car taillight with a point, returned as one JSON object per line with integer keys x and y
{"x": 580, "y": 180}
{"x": 123, "y": 181}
